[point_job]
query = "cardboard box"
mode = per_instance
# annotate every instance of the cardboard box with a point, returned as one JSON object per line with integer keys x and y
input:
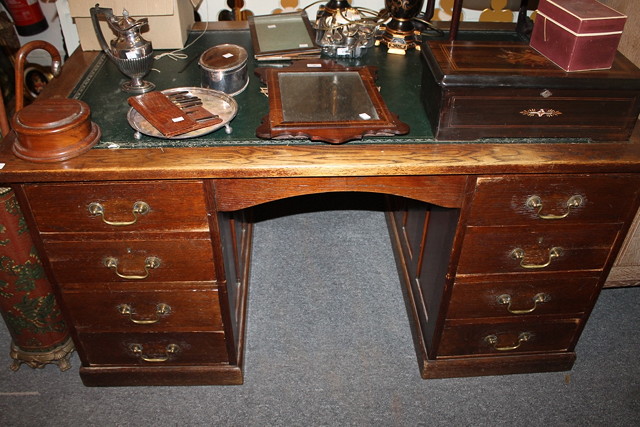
{"x": 577, "y": 35}
{"x": 169, "y": 20}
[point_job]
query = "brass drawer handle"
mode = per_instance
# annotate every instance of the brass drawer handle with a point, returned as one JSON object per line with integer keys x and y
{"x": 493, "y": 341}
{"x": 540, "y": 298}
{"x": 161, "y": 310}
{"x": 149, "y": 264}
{"x": 535, "y": 202}
{"x": 518, "y": 254}
{"x": 139, "y": 208}
{"x": 170, "y": 350}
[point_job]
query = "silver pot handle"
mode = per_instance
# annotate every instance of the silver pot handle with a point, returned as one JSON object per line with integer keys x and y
{"x": 96, "y": 12}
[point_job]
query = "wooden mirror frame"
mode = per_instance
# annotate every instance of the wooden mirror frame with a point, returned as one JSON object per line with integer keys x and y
{"x": 274, "y": 125}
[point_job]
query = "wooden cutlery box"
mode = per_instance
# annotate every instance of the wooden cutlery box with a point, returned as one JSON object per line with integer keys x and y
{"x": 491, "y": 89}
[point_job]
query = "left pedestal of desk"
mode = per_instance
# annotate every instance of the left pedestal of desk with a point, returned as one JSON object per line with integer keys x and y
{"x": 140, "y": 274}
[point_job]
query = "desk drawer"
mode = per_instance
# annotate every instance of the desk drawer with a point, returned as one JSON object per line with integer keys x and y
{"x": 162, "y": 309}
{"x": 523, "y": 297}
{"x": 184, "y": 258}
{"x": 522, "y": 249}
{"x": 119, "y": 206}
{"x": 504, "y": 338}
{"x": 494, "y": 112}
{"x": 543, "y": 200}
{"x": 155, "y": 349}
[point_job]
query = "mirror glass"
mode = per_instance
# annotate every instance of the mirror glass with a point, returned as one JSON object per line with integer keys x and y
{"x": 325, "y": 97}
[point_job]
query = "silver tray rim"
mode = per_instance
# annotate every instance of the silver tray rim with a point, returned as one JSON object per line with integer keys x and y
{"x": 208, "y": 97}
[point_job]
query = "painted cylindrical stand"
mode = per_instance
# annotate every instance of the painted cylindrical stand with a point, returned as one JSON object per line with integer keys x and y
{"x": 27, "y": 303}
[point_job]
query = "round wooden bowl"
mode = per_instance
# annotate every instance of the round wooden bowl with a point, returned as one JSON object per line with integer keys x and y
{"x": 53, "y": 130}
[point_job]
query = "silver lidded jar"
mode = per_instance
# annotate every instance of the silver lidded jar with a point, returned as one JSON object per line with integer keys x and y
{"x": 224, "y": 68}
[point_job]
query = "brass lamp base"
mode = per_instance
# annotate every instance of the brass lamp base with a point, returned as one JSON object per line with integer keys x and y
{"x": 399, "y": 33}
{"x": 400, "y": 41}
{"x": 37, "y": 360}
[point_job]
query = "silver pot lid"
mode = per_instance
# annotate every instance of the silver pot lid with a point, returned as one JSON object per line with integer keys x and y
{"x": 223, "y": 57}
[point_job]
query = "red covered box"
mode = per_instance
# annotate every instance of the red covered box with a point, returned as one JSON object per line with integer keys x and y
{"x": 577, "y": 35}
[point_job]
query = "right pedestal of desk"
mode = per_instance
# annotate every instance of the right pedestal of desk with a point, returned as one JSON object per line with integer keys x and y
{"x": 506, "y": 283}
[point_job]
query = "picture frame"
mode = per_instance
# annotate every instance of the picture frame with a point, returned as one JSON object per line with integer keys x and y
{"x": 282, "y": 36}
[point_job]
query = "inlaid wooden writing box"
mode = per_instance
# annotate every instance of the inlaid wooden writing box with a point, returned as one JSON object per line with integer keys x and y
{"x": 491, "y": 89}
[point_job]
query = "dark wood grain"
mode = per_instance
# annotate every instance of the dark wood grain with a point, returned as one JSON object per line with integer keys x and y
{"x": 567, "y": 294}
{"x": 201, "y": 374}
{"x": 488, "y": 249}
{"x": 234, "y": 194}
{"x": 178, "y": 205}
{"x": 190, "y": 309}
{"x": 456, "y": 211}
{"x": 183, "y": 257}
{"x": 503, "y": 199}
{"x": 474, "y": 90}
{"x": 110, "y": 348}
{"x": 504, "y": 365}
{"x": 548, "y": 335}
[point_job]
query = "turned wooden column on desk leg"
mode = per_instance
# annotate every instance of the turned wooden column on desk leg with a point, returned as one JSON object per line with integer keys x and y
{"x": 27, "y": 302}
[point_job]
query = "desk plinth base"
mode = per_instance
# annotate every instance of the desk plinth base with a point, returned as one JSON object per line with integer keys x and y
{"x": 498, "y": 365}
{"x": 109, "y": 376}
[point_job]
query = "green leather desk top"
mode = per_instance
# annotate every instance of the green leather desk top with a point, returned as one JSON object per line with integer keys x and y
{"x": 399, "y": 79}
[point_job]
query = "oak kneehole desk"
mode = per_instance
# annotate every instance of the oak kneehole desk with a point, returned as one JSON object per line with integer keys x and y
{"x": 503, "y": 246}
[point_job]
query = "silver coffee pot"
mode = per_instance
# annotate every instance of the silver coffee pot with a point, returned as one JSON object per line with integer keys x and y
{"x": 132, "y": 54}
